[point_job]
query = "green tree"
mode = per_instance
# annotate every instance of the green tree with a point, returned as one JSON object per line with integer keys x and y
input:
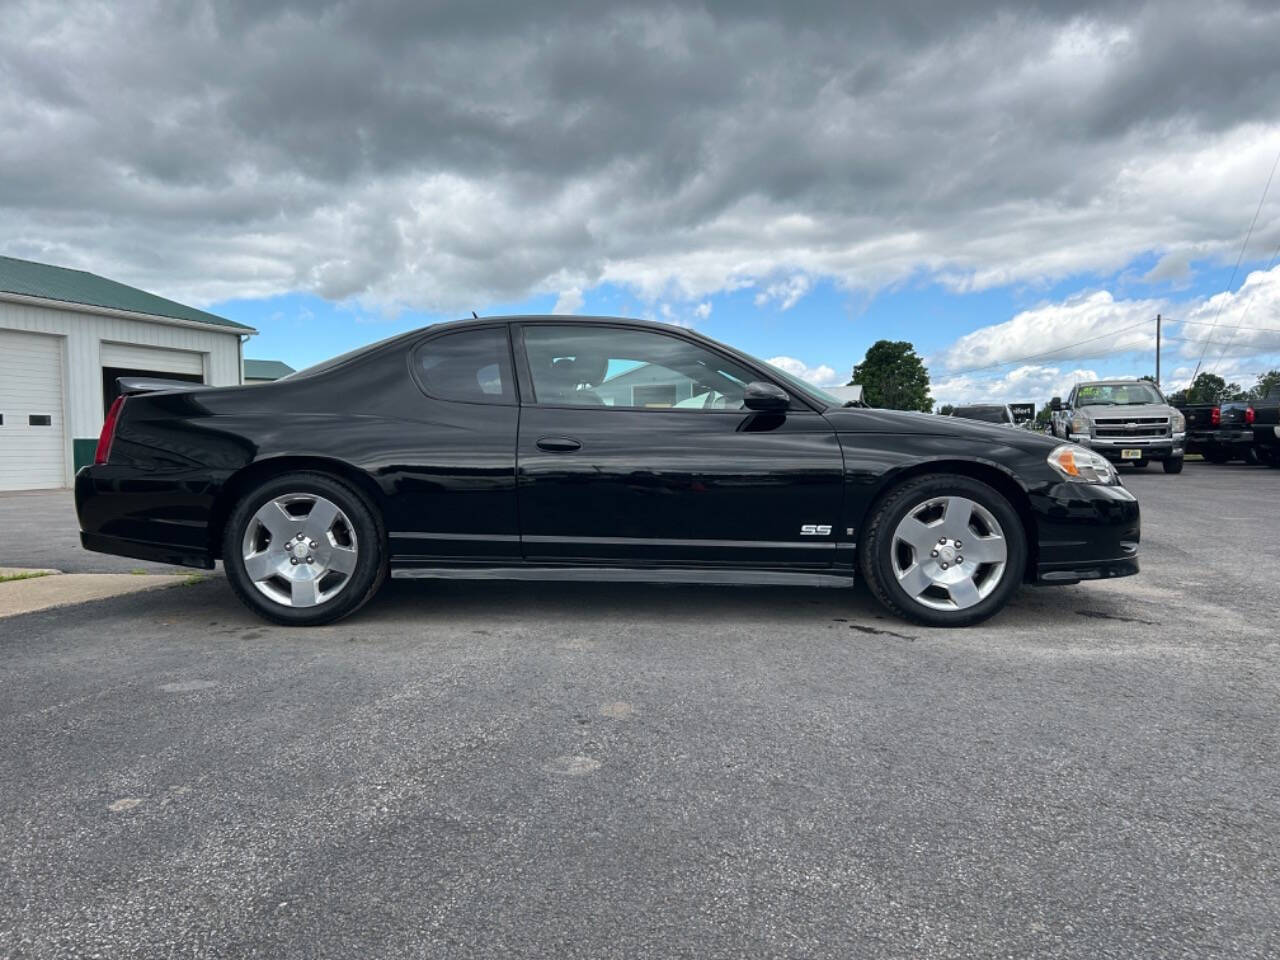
{"x": 1044, "y": 414}
{"x": 893, "y": 376}
{"x": 1211, "y": 388}
{"x": 946, "y": 409}
{"x": 1267, "y": 383}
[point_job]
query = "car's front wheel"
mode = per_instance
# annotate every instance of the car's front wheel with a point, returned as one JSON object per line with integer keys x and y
{"x": 304, "y": 549}
{"x": 1173, "y": 465}
{"x": 944, "y": 550}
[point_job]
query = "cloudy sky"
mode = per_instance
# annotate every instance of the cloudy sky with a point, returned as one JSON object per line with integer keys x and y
{"x": 1018, "y": 189}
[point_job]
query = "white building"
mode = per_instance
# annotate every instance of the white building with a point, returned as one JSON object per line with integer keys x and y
{"x": 65, "y": 336}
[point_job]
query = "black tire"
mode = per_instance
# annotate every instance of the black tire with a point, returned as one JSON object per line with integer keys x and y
{"x": 1250, "y": 456}
{"x": 1173, "y": 465}
{"x": 876, "y": 545}
{"x": 370, "y": 568}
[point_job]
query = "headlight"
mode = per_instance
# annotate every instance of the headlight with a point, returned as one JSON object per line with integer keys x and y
{"x": 1080, "y": 424}
{"x": 1073, "y": 462}
{"x": 1178, "y": 422}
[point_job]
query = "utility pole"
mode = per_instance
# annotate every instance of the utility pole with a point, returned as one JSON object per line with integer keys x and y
{"x": 1157, "y": 351}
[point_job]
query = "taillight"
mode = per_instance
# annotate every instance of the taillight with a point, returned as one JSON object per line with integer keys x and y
{"x": 1248, "y": 414}
{"x": 108, "y": 433}
{"x": 1215, "y": 416}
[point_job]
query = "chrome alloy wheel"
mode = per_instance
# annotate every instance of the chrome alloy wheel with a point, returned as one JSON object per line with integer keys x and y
{"x": 949, "y": 553}
{"x": 300, "y": 549}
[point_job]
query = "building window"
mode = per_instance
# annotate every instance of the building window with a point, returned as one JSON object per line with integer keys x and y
{"x": 40, "y": 420}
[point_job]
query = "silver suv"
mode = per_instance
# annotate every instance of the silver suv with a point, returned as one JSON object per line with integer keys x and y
{"x": 1127, "y": 421}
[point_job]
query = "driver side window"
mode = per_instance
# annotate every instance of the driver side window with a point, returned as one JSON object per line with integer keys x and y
{"x": 583, "y": 365}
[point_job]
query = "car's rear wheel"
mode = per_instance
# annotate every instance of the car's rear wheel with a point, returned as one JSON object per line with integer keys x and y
{"x": 1173, "y": 465}
{"x": 304, "y": 549}
{"x": 944, "y": 550}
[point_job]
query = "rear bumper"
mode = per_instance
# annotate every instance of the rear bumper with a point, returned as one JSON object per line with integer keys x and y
{"x": 142, "y": 550}
{"x": 1231, "y": 437}
{"x": 161, "y": 520}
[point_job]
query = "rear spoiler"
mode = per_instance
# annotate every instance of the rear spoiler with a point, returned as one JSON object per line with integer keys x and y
{"x": 129, "y": 386}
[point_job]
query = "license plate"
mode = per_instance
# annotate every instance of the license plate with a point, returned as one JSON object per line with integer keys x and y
{"x": 1130, "y": 454}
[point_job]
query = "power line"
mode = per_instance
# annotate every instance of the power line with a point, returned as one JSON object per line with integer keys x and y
{"x": 1214, "y": 343}
{"x": 1049, "y": 353}
{"x": 1206, "y": 323}
{"x": 1240, "y": 256}
{"x": 1245, "y": 312}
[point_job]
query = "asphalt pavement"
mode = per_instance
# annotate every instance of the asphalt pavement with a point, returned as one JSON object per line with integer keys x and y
{"x": 579, "y": 770}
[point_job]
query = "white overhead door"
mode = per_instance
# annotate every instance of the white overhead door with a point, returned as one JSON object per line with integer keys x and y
{"x": 133, "y": 356}
{"x": 32, "y": 445}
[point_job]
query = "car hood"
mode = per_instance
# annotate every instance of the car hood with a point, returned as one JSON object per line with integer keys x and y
{"x": 865, "y": 420}
{"x": 1110, "y": 410}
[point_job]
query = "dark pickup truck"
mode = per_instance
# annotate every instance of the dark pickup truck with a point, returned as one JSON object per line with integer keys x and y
{"x": 1236, "y": 430}
{"x": 1221, "y": 431}
{"x": 1266, "y": 428}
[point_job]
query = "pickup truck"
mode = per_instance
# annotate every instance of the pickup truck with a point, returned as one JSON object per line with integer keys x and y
{"x": 1266, "y": 428}
{"x": 1126, "y": 421}
{"x": 1221, "y": 431}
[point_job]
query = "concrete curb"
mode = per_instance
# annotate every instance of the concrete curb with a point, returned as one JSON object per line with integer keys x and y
{"x": 64, "y": 589}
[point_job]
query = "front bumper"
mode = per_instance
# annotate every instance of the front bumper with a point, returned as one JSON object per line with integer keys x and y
{"x": 1054, "y": 575}
{"x": 1157, "y": 448}
{"x": 1085, "y": 532}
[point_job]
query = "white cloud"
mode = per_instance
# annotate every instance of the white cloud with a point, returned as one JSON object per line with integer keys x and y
{"x": 702, "y": 310}
{"x": 679, "y": 151}
{"x": 569, "y": 301}
{"x": 1084, "y": 325}
{"x": 1244, "y": 343}
{"x": 820, "y": 376}
{"x": 1235, "y": 324}
{"x": 786, "y": 293}
{"x": 1025, "y": 384}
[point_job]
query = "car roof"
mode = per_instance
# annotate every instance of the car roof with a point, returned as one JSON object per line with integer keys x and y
{"x": 392, "y": 342}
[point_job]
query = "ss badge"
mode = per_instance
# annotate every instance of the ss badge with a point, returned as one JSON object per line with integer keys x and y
{"x": 816, "y": 530}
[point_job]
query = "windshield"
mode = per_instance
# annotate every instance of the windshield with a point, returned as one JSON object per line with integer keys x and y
{"x": 804, "y": 386}
{"x": 1117, "y": 394}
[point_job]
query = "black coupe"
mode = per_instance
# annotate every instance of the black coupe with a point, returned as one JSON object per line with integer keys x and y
{"x": 588, "y": 449}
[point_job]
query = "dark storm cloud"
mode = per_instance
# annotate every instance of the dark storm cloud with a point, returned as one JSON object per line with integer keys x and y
{"x": 439, "y": 154}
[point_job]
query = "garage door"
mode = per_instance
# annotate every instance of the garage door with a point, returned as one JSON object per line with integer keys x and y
{"x": 32, "y": 446}
{"x": 152, "y": 358}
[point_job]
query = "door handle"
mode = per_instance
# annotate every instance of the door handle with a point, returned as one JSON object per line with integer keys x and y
{"x": 559, "y": 444}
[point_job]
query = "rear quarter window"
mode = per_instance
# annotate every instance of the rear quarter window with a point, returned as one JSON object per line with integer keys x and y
{"x": 471, "y": 366}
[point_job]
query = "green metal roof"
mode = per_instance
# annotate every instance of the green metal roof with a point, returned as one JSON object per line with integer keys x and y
{"x": 266, "y": 369}
{"x": 31, "y": 279}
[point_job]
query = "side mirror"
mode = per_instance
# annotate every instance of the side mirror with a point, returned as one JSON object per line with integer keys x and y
{"x": 1055, "y": 403}
{"x": 765, "y": 397}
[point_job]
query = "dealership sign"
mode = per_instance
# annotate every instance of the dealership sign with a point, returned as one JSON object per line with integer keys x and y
{"x": 1022, "y": 412}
